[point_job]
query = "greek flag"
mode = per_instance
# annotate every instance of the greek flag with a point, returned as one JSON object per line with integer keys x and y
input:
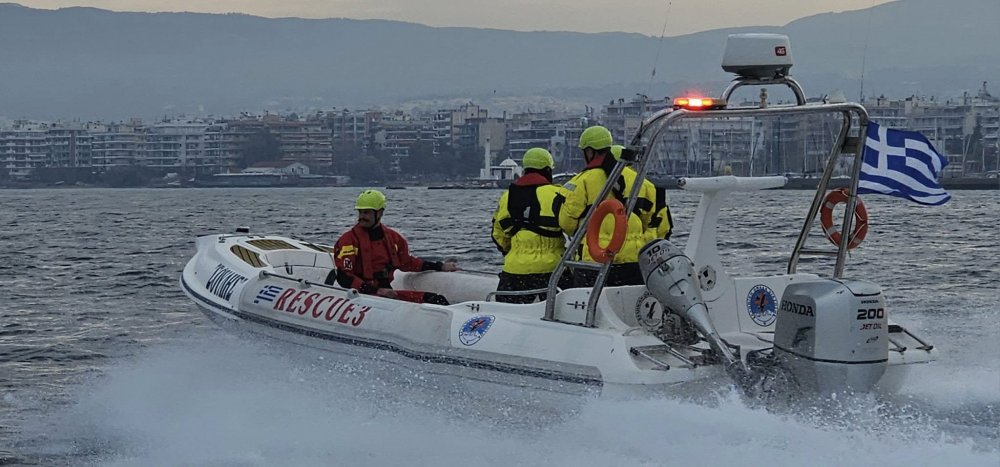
{"x": 904, "y": 164}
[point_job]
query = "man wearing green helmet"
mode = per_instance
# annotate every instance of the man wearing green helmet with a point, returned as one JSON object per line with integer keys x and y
{"x": 651, "y": 205}
{"x": 368, "y": 255}
{"x": 526, "y": 229}
{"x": 662, "y": 223}
{"x": 581, "y": 192}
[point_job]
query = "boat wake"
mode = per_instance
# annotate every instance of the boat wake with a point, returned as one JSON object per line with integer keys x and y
{"x": 231, "y": 401}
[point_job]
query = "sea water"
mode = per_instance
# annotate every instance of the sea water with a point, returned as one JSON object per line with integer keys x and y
{"x": 103, "y": 361}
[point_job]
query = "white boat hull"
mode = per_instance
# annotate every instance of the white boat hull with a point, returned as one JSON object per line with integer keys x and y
{"x": 274, "y": 286}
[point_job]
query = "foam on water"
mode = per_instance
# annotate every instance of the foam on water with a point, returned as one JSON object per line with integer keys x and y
{"x": 96, "y": 298}
{"x": 225, "y": 400}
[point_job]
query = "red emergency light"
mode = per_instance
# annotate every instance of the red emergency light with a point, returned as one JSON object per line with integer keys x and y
{"x": 699, "y": 103}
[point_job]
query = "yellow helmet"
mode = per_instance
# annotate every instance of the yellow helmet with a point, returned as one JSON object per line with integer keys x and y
{"x": 616, "y": 150}
{"x": 595, "y": 137}
{"x": 537, "y": 158}
{"x": 370, "y": 199}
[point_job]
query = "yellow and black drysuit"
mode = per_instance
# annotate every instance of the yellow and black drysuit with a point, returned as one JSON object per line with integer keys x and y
{"x": 662, "y": 223}
{"x": 581, "y": 192}
{"x": 526, "y": 231}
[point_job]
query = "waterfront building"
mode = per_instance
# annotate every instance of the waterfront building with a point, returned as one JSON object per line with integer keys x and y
{"x": 23, "y": 148}
{"x": 278, "y": 167}
{"x": 558, "y": 133}
{"x": 623, "y": 117}
{"x": 69, "y": 145}
{"x": 306, "y": 141}
{"x": 458, "y": 128}
{"x": 270, "y": 137}
{"x": 355, "y": 127}
{"x": 399, "y": 133}
{"x": 116, "y": 144}
{"x": 177, "y": 146}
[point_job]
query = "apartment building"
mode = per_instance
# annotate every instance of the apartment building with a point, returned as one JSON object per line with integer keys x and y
{"x": 623, "y": 117}
{"x": 556, "y": 132}
{"x": 23, "y": 148}
{"x": 116, "y": 144}
{"x": 355, "y": 127}
{"x": 399, "y": 132}
{"x": 304, "y": 141}
{"x": 26, "y": 146}
{"x": 70, "y": 145}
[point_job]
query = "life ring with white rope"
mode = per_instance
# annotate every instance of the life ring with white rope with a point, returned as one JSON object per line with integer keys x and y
{"x": 860, "y": 229}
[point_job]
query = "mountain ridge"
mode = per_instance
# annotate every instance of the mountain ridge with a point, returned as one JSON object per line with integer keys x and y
{"x": 90, "y": 63}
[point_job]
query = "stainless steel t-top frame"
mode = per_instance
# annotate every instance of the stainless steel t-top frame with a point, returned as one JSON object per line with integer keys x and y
{"x": 846, "y": 145}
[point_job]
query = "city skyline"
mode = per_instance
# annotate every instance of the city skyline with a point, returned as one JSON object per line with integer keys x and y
{"x": 648, "y": 17}
{"x": 449, "y": 142}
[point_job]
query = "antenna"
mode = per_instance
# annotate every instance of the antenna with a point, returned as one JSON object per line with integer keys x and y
{"x": 864, "y": 54}
{"x": 659, "y": 47}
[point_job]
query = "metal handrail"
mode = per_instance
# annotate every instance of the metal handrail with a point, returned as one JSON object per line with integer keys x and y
{"x": 846, "y": 109}
{"x": 574, "y": 243}
{"x": 351, "y": 293}
{"x": 800, "y": 96}
{"x": 656, "y": 124}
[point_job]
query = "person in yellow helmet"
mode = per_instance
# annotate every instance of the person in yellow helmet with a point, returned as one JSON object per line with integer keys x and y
{"x": 368, "y": 255}
{"x": 662, "y": 223}
{"x": 652, "y": 202}
{"x": 581, "y": 192}
{"x": 526, "y": 229}
{"x": 646, "y": 205}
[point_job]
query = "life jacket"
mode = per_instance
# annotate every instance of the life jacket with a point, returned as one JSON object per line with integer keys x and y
{"x": 662, "y": 223}
{"x": 526, "y": 227}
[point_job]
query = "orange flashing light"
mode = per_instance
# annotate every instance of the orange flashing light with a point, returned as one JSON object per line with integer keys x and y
{"x": 699, "y": 103}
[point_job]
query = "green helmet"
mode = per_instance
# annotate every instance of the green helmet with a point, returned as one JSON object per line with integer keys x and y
{"x": 537, "y": 158}
{"x": 616, "y": 150}
{"x": 595, "y": 137}
{"x": 370, "y": 199}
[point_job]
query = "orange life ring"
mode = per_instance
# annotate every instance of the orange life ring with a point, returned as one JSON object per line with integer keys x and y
{"x": 834, "y": 198}
{"x": 606, "y": 254}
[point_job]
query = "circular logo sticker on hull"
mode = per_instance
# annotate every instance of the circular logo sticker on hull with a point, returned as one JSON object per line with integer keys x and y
{"x": 648, "y": 311}
{"x": 475, "y": 328}
{"x": 762, "y": 305}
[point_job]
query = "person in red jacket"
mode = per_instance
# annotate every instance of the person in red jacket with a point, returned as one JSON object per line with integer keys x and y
{"x": 369, "y": 254}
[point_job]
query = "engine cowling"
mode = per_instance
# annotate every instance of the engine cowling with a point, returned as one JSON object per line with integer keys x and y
{"x": 833, "y": 335}
{"x": 669, "y": 275}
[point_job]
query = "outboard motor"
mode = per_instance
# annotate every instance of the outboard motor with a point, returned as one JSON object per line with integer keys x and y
{"x": 832, "y": 335}
{"x": 669, "y": 275}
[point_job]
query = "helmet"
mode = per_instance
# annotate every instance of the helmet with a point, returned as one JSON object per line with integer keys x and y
{"x": 370, "y": 199}
{"x": 537, "y": 158}
{"x": 616, "y": 150}
{"x": 595, "y": 137}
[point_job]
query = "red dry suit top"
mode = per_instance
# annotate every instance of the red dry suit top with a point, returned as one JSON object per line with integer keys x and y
{"x": 367, "y": 258}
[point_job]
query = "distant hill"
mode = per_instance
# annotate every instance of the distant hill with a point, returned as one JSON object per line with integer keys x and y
{"x": 90, "y": 63}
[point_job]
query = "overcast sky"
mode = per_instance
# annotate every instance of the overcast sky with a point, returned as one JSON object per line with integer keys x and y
{"x": 642, "y": 16}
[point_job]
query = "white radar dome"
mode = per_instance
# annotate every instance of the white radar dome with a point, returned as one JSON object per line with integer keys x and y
{"x": 758, "y": 56}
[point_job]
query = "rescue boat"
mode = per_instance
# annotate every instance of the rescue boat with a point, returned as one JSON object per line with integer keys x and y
{"x": 692, "y": 320}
